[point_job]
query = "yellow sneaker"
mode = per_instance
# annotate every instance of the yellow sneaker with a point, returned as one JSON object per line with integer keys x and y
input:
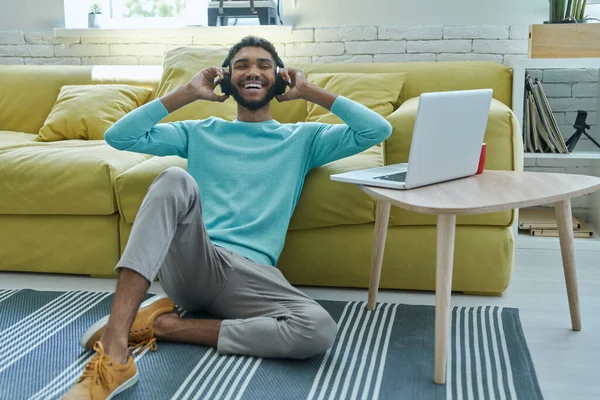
{"x": 103, "y": 378}
{"x": 141, "y": 334}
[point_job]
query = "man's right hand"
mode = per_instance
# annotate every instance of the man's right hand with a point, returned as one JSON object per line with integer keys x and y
{"x": 203, "y": 84}
{"x": 200, "y": 87}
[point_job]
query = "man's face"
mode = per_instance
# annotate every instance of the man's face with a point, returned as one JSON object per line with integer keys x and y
{"x": 253, "y": 77}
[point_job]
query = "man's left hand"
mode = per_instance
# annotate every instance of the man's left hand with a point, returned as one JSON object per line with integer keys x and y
{"x": 297, "y": 83}
{"x": 300, "y": 88}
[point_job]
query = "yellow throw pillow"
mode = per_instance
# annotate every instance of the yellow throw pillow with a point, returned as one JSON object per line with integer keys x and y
{"x": 179, "y": 66}
{"x": 87, "y": 111}
{"x": 377, "y": 91}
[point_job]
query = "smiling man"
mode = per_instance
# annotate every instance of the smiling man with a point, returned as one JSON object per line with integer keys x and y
{"x": 214, "y": 233}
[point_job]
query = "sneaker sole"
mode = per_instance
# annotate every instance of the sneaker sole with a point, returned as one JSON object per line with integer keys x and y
{"x": 102, "y": 322}
{"x": 124, "y": 386}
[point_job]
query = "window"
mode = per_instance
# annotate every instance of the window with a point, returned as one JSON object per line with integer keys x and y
{"x": 166, "y": 13}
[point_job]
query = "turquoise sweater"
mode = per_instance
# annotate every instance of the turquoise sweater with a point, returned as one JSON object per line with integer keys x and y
{"x": 250, "y": 174}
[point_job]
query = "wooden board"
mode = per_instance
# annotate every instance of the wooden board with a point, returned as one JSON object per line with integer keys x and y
{"x": 564, "y": 40}
{"x": 488, "y": 192}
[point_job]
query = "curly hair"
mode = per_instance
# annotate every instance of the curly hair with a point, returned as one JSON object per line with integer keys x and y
{"x": 251, "y": 41}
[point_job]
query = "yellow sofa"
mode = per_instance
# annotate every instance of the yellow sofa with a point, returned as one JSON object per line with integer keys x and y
{"x": 68, "y": 206}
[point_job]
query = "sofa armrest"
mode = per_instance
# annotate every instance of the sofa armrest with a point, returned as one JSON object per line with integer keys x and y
{"x": 503, "y": 136}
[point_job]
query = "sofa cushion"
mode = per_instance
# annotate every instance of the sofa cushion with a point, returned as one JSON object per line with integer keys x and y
{"x": 500, "y": 136}
{"x": 325, "y": 203}
{"x": 179, "y": 66}
{"x": 72, "y": 177}
{"x": 322, "y": 203}
{"x": 379, "y": 92}
{"x": 87, "y": 111}
{"x": 131, "y": 186}
{"x": 422, "y": 77}
{"x": 25, "y": 110}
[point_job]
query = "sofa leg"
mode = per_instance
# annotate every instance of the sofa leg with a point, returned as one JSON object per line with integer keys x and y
{"x": 381, "y": 226}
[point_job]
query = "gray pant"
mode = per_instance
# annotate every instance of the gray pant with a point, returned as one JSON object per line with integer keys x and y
{"x": 263, "y": 314}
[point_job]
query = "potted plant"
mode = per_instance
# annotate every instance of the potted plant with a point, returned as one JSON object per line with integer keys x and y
{"x": 567, "y": 11}
{"x": 565, "y": 35}
{"x": 95, "y": 17}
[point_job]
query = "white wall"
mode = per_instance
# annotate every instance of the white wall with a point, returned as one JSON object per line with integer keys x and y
{"x": 320, "y": 13}
{"x": 31, "y": 14}
{"x": 45, "y": 14}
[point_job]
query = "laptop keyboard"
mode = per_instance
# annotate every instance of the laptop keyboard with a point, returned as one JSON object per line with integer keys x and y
{"x": 398, "y": 177}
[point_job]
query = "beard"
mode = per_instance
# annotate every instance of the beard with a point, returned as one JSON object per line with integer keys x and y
{"x": 254, "y": 104}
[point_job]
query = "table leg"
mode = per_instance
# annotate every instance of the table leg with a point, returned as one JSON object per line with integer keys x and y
{"x": 381, "y": 226}
{"x": 446, "y": 228}
{"x": 565, "y": 232}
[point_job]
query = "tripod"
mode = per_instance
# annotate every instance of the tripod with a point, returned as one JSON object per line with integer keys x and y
{"x": 580, "y": 126}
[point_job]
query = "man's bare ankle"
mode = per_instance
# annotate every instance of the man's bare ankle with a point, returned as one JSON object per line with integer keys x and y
{"x": 118, "y": 353}
{"x": 114, "y": 348}
{"x": 163, "y": 322}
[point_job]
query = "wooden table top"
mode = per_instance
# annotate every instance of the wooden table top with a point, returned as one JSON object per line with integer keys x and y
{"x": 488, "y": 192}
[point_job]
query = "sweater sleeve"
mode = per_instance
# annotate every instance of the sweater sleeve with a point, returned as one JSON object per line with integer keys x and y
{"x": 140, "y": 132}
{"x": 362, "y": 129}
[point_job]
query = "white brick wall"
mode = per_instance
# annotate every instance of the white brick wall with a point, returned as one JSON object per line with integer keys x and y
{"x": 423, "y": 32}
{"x": 500, "y": 46}
{"x": 81, "y": 50}
{"x": 585, "y": 90}
{"x": 344, "y": 59}
{"x": 314, "y": 49}
{"x": 572, "y": 104}
{"x": 570, "y": 75}
{"x": 477, "y": 32}
{"x": 345, "y": 34}
{"x": 496, "y": 58}
{"x": 376, "y": 47}
{"x": 414, "y": 57}
{"x": 11, "y": 37}
{"x": 137, "y": 49}
{"x": 303, "y": 35}
{"x": 137, "y": 39}
{"x": 53, "y": 60}
{"x": 557, "y": 89}
{"x": 47, "y": 37}
{"x": 36, "y": 50}
{"x": 439, "y": 46}
{"x": 109, "y": 60}
{"x": 11, "y": 60}
{"x": 418, "y": 43}
{"x": 298, "y": 60}
{"x": 519, "y": 32}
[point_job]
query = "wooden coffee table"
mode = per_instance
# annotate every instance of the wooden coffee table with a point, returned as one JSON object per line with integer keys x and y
{"x": 488, "y": 192}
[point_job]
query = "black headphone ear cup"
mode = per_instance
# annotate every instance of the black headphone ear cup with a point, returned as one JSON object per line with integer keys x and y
{"x": 280, "y": 85}
{"x": 226, "y": 85}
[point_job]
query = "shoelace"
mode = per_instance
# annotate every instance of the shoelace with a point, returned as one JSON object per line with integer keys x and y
{"x": 141, "y": 340}
{"x": 98, "y": 369}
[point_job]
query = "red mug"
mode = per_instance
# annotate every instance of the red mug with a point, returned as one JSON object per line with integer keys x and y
{"x": 481, "y": 160}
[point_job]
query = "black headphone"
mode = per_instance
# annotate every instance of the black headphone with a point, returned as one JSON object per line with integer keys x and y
{"x": 280, "y": 84}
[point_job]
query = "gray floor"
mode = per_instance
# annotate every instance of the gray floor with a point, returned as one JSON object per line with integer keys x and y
{"x": 567, "y": 362}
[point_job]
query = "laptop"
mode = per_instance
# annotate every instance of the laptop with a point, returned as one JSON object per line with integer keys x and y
{"x": 446, "y": 143}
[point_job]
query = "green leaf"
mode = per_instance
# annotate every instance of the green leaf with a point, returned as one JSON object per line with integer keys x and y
{"x": 582, "y": 10}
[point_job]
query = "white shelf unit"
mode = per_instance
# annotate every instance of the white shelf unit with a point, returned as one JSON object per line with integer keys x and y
{"x": 520, "y": 66}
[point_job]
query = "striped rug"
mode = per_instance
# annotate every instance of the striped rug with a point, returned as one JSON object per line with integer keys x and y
{"x": 385, "y": 354}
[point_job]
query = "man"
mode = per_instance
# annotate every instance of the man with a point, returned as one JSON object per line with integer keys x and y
{"x": 214, "y": 234}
